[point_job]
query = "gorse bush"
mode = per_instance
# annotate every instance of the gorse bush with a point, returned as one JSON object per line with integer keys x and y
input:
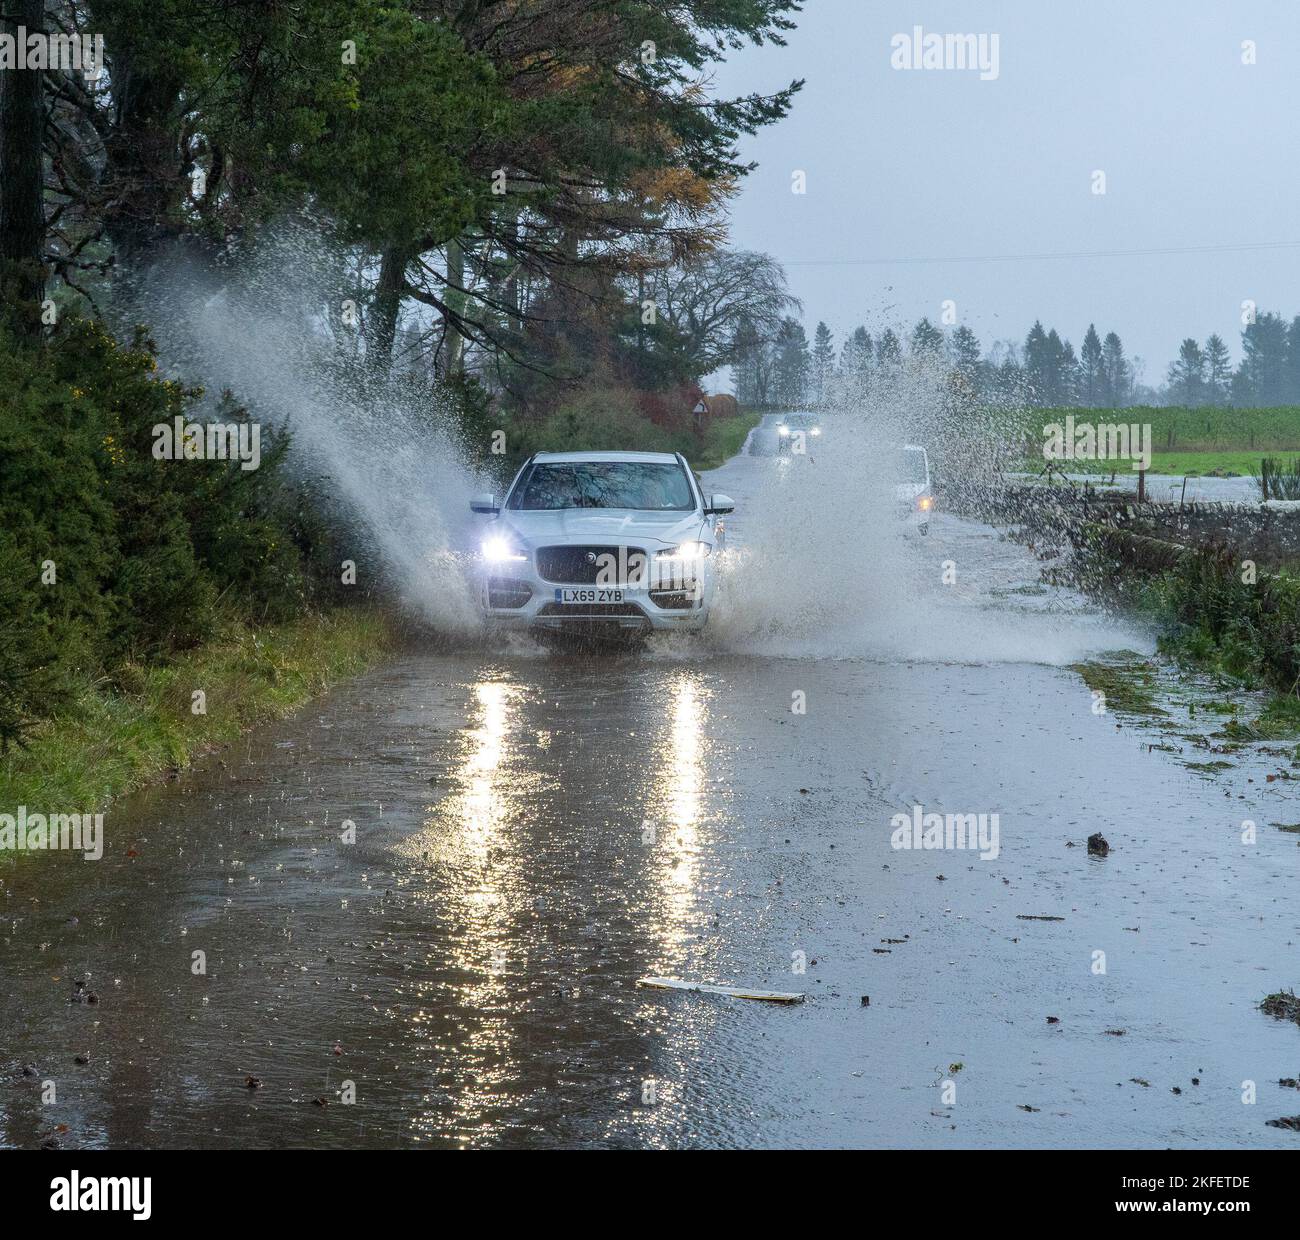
{"x": 108, "y": 555}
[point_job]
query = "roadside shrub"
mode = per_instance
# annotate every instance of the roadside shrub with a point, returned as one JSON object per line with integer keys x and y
{"x": 1211, "y": 616}
{"x": 108, "y": 555}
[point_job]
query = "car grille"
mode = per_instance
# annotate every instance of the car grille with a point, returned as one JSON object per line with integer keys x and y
{"x": 503, "y": 592}
{"x": 571, "y": 565}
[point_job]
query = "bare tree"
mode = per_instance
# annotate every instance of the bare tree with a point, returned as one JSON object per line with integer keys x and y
{"x": 709, "y": 301}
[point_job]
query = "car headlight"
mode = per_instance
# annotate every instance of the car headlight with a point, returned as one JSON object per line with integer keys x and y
{"x": 782, "y": 430}
{"x": 816, "y": 430}
{"x": 925, "y": 503}
{"x": 498, "y": 550}
{"x": 684, "y": 551}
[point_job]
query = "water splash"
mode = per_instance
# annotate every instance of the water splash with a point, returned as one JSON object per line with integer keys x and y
{"x": 271, "y": 324}
{"x": 823, "y": 564}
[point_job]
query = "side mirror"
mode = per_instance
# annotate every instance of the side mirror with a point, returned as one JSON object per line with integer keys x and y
{"x": 486, "y": 502}
{"x": 719, "y": 505}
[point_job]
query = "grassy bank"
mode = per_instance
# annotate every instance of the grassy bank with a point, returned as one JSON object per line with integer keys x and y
{"x": 721, "y": 441}
{"x": 117, "y": 738}
{"x": 1245, "y": 633}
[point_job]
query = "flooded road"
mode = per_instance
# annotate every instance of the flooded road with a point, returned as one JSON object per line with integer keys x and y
{"x": 534, "y": 832}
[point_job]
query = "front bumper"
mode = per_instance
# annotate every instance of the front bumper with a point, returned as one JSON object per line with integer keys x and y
{"x": 516, "y": 596}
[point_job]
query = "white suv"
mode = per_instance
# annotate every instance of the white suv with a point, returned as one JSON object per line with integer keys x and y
{"x": 913, "y": 493}
{"x": 600, "y": 542}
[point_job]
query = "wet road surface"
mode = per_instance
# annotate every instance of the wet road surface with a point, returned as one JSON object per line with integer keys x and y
{"x": 534, "y": 832}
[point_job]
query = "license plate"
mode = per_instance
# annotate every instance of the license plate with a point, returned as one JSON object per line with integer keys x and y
{"x": 588, "y": 594}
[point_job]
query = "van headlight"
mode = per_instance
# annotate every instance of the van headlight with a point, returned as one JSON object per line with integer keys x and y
{"x": 498, "y": 550}
{"x": 684, "y": 551}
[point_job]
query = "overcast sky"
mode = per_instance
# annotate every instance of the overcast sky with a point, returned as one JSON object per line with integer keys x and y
{"x": 1198, "y": 149}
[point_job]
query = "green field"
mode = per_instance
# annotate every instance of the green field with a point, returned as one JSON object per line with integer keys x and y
{"x": 1225, "y": 464}
{"x": 1195, "y": 442}
{"x": 1178, "y": 430}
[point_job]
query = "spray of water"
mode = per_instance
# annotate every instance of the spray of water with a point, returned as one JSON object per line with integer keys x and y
{"x": 824, "y": 563}
{"x": 273, "y": 325}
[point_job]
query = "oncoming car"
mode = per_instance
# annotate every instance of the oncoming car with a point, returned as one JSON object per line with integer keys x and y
{"x": 600, "y": 543}
{"x": 913, "y": 494}
{"x": 794, "y": 432}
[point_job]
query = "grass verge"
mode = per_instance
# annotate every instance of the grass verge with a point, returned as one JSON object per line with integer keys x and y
{"x": 119, "y": 737}
{"x": 722, "y": 440}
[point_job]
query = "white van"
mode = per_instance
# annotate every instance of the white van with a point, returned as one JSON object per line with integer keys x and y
{"x": 912, "y": 490}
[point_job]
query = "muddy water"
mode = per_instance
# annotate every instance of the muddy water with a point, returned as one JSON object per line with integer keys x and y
{"x": 535, "y": 832}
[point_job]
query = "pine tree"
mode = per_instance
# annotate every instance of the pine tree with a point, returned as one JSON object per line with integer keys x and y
{"x": 1187, "y": 375}
{"x": 889, "y": 353}
{"x": 858, "y": 353}
{"x": 823, "y": 362}
{"x": 1090, "y": 369}
{"x": 790, "y": 365}
{"x": 1038, "y": 365}
{"x": 1264, "y": 358}
{"x": 1067, "y": 373}
{"x": 927, "y": 341}
{"x": 1218, "y": 371}
{"x": 1116, "y": 373}
{"x": 1292, "y": 380}
{"x": 747, "y": 347}
{"x": 966, "y": 353}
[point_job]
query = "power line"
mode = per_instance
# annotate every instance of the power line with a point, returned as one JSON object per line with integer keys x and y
{"x": 1243, "y": 247}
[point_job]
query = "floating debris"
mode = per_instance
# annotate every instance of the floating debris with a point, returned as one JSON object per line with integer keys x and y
{"x": 736, "y": 992}
{"x": 1284, "y": 1005}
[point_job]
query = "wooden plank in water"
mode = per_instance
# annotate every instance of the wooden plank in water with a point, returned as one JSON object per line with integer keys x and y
{"x": 736, "y": 992}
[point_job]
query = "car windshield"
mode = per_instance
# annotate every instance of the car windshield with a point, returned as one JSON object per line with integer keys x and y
{"x": 909, "y": 466}
{"x": 651, "y": 486}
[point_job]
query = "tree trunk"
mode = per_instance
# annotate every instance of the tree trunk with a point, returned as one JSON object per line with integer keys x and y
{"x": 22, "y": 178}
{"x": 455, "y": 301}
{"x": 388, "y": 300}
